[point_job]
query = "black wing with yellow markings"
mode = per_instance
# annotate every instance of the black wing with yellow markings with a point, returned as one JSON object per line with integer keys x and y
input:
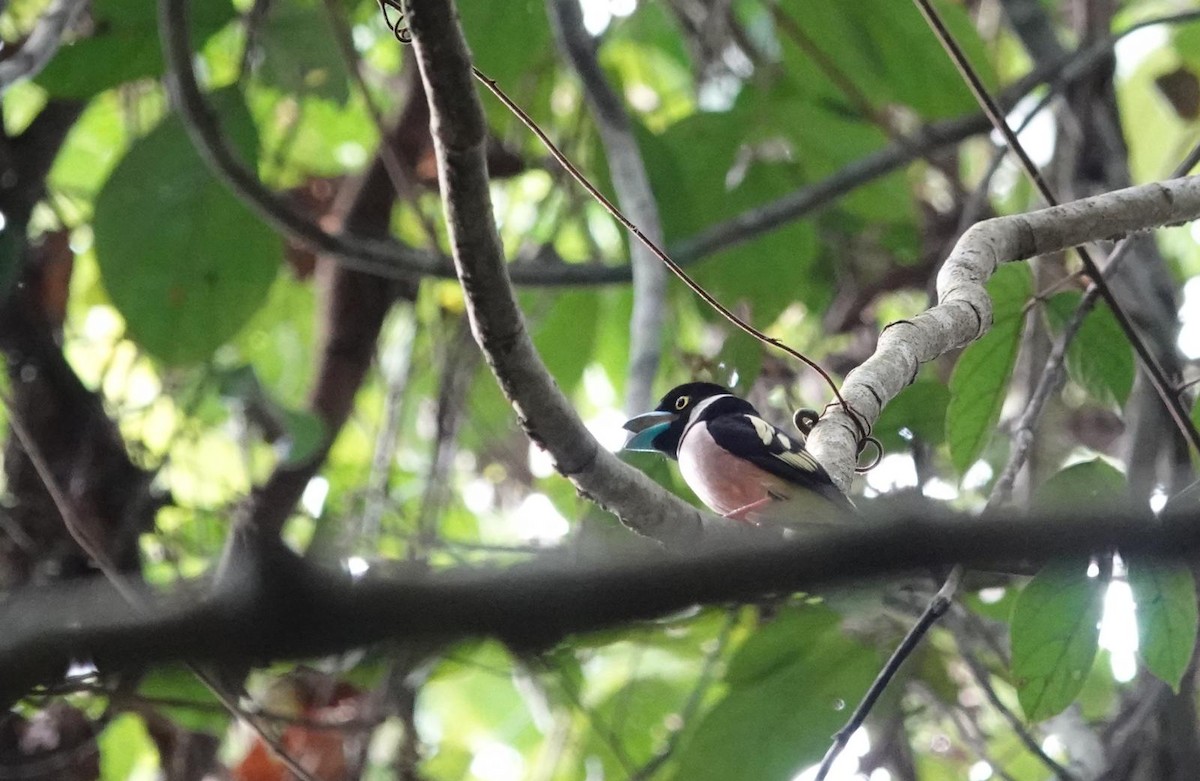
{"x": 762, "y": 444}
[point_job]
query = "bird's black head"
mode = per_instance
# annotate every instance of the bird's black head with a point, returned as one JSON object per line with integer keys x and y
{"x": 660, "y": 431}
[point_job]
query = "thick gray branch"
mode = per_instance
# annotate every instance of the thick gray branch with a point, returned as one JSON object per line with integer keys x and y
{"x": 964, "y": 311}
{"x": 295, "y": 610}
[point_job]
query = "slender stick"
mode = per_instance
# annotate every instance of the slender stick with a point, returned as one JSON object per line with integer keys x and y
{"x": 936, "y": 608}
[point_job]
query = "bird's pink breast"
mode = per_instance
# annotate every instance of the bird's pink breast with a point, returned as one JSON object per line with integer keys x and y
{"x": 723, "y": 481}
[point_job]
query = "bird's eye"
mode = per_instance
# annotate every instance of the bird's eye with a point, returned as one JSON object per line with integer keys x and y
{"x": 682, "y": 402}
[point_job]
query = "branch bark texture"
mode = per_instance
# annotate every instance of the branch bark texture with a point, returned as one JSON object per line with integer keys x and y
{"x": 964, "y": 311}
{"x": 298, "y": 610}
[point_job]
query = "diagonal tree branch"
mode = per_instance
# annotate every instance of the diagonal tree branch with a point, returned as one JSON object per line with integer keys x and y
{"x": 459, "y": 132}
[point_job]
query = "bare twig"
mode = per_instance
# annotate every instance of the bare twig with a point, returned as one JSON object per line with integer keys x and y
{"x": 937, "y": 608}
{"x": 704, "y": 682}
{"x": 983, "y": 680}
{"x": 1051, "y": 375}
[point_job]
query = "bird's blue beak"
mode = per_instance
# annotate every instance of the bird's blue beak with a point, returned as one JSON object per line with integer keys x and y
{"x": 645, "y": 428}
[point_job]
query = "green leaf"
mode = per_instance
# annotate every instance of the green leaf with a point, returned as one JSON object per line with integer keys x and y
{"x": 508, "y": 40}
{"x": 638, "y": 713}
{"x": 566, "y": 335}
{"x": 1055, "y": 631}
{"x": 126, "y": 749}
{"x": 921, "y": 409}
{"x": 179, "y": 684}
{"x": 300, "y": 53}
{"x": 305, "y": 435}
{"x": 886, "y": 50}
{"x": 980, "y": 379}
{"x": 1099, "y": 358}
{"x": 799, "y": 676}
{"x": 1166, "y": 615}
{"x": 1094, "y": 483}
{"x": 182, "y": 259}
{"x": 124, "y": 47}
{"x": 767, "y": 273}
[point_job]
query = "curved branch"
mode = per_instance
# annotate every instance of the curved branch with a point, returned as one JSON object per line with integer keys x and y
{"x": 964, "y": 311}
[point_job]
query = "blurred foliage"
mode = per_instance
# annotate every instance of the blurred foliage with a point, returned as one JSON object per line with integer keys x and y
{"x": 201, "y": 329}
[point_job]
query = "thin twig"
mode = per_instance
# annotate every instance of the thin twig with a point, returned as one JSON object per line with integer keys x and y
{"x": 631, "y": 183}
{"x": 1151, "y": 366}
{"x": 704, "y": 682}
{"x": 936, "y": 608}
{"x": 983, "y": 680}
{"x": 42, "y": 42}
{"x": 1051, "y": 375}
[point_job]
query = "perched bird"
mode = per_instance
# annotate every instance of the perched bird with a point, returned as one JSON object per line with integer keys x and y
{"x": 739, "y": 465}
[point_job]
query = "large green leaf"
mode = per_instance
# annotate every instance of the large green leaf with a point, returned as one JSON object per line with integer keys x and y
{"x": 126, "y": 750}
{"x": 980, "y": 379}
{"x": 1099, "y": 358}
{"x": 695, "y": 192}
{"x": 508, "y": 40}
{"x": 790, "y": 687}
{"x": 124, "y": 47}
{"x": 1166, "y": 615}
{"x": 1094, "y": 483}
{"x": 300, "y": 53}
{"x": 638, "y": 715}
{"x": 885, "y": 50}
{"x": 1055, "y": 632}
{"x": 182, "y": 259}
{"x": 920, "y": 410}
{"x": 566, "y": 334}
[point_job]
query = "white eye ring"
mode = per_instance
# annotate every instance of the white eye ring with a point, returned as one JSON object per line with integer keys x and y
{"x": 682, "y": 402}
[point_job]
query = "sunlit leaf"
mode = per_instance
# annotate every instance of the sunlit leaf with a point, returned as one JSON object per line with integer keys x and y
{"x": 1166, "y": 615}
{"x": 1055, "y": 633}
{"x": 1099, "y": 357}
{"x": 185, "y": 262}
{"x": 980, "y": 380}
{"x": 126, "y": 747}
{"x": 125, "y": 46}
